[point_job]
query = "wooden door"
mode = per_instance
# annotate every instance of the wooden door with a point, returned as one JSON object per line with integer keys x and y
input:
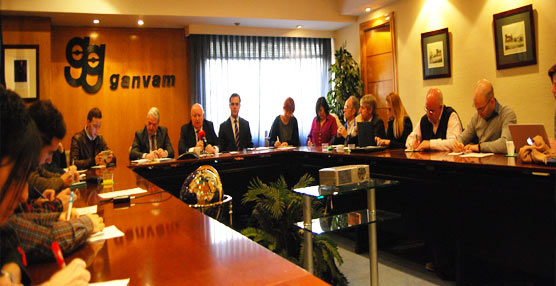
{"x": 378, "y": 60}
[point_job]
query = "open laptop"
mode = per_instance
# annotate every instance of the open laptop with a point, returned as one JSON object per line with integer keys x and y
{"x": 366, "y": 138}
{"x": 522, "y": 134}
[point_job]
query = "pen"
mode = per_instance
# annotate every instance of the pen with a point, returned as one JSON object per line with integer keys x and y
{"x": 70, "y": 206}
{"x": 277, "y": 138}
{"x": 40, "y": 194}
{"x": 58, "y": 254}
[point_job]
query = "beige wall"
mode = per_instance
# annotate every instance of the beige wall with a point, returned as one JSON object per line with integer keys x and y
{"x": 525, "y": 89}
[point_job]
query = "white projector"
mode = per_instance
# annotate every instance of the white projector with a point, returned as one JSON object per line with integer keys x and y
{"x": 344, "y": 175}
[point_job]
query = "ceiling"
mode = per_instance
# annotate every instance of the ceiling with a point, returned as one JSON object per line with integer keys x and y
{"x": 327, "y": 15}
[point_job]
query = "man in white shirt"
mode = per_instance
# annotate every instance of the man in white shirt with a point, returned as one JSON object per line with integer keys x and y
{"x": 348, "y": 129}
{"x": 438, "y": 128}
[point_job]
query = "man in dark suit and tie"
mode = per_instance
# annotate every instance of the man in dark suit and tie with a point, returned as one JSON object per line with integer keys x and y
{"x": 189, "y": 136}
{"x": 152, "y": 142}
{"x": 234, "y": 133}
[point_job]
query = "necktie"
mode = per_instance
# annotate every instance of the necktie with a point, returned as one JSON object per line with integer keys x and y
{"x": 237, "y": 134}
{"x": 153, "y": 143}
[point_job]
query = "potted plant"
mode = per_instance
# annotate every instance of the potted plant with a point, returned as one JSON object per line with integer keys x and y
{"x": 345, "y": 81}
{"x": 276, "y": 210}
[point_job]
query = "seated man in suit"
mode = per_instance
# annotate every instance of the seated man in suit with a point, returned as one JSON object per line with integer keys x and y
{"x": 234, "y": 133}
{"x": 438, "y": 128}
{"x": 367, "y": 113}
{"x": 348, "y": 129}
{"x": 189, "y": 136}
{"x": 152, "y": 142}
{"x": 487, "y": 130}
{"x": 87, "y": 145}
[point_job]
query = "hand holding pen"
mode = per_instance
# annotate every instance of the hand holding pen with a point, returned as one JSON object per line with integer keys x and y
{"x": 73, "y": 274}
{"x": 70, "y": 206}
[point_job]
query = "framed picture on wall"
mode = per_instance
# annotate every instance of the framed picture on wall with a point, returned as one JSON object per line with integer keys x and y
{"x": 435, "y": 53}
{"x": 514, "y": 38}
{"x": 21, "y": 70}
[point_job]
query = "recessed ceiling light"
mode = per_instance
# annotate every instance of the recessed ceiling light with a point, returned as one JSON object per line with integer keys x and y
{"x": 140, "y": 22}
{"x": 368, "y": 9}
{"x": 96, "y": 21}
{"x": 298, "y": 27}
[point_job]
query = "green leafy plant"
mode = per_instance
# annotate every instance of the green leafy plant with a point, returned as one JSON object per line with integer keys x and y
{"x": 276, "y": 210}
{"x": 345, "y": 81}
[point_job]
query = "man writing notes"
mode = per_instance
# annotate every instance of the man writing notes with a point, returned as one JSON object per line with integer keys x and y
{"x": 152, "y": 142}
{"x": 191, "y": 137}
{"x": 438, "y": 128}
{"x": 348, "y": 130}
{"x": 87, "y": 145}
{"x": 234, "y": 133}
{"x": 487, "y": 130}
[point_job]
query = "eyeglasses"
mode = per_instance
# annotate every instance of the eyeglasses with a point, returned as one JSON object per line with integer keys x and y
{"x": 430, "y": 111}
{"x": 482, "y": 108}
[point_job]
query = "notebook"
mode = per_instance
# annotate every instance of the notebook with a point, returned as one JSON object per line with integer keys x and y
{"x": 365, "y": 134}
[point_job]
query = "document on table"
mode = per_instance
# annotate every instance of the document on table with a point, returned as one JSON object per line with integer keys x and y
{"x": 122, "y": 282}
{"x": 107, "y": 233}
{"x": 456, "y": 153}
{"x": 140, "y": 161}
{"x": 86, "y": 210}
{"x": 476, "y": 155}
{"x": 128, "y": 192}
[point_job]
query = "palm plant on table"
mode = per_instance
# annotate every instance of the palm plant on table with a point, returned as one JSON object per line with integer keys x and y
{"x": 276, "y": 210}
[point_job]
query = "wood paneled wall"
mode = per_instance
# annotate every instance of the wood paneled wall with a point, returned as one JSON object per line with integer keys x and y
{"x": 132, "y": 52}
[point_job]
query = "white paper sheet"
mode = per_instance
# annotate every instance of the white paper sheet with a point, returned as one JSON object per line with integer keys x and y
{"x": 476, "y": 155}
{"x": 456, "y": 153}
{"x": 107, "y": 233}
{"x": 122, "y": 282}
{"x": 86, "y": 210}
{"x": 128, "y": 192}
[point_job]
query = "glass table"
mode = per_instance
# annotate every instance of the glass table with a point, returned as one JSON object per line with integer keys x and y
{"x": 344, "y": 221}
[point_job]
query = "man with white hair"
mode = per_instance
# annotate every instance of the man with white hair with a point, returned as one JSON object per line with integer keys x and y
{"x": 152, "y": 142}
{"x": 191, "y": 141}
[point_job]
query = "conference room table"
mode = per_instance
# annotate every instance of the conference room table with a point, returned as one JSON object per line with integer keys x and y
{"x": 168, "y": 243}
{"x": 499, "y": 209}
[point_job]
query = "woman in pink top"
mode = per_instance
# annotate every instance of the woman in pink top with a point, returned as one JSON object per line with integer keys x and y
{"x": 324, "y": 125}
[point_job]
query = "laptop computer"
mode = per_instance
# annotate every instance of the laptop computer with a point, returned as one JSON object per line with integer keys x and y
{"x": 522, "y": 134}
{"x": 365, "y": 134}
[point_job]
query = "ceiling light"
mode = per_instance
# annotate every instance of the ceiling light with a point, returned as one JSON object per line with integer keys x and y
{"x": 368, "y": 9}
{"x": 140, "y": 22}
{"x": 298, "y": 27}
{"x": 96, "y": 21}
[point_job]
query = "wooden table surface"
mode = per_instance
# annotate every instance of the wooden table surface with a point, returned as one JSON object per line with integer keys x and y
{"x": 168, "y": 243}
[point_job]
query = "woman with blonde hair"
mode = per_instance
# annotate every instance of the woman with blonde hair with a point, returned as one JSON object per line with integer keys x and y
{"x": 399, "y": 123}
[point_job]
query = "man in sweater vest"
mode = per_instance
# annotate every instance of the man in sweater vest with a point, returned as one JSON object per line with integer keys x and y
{"x": 438, "y": 128}
{"x": 487, "y": 130}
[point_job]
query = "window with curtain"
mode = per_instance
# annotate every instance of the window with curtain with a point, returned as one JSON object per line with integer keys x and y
{"x": 264, "y": 71}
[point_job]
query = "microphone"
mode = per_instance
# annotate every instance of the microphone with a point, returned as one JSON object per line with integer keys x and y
{"x": 201, "y": 136}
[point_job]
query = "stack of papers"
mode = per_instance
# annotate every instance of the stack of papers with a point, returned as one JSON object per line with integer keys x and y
{"x": 86, "y": 210}
{"x": 107, "y": 233}
{"x": 129, "y": 192}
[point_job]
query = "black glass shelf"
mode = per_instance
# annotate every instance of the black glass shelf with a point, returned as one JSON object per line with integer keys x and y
{"x": 347, "y": 221}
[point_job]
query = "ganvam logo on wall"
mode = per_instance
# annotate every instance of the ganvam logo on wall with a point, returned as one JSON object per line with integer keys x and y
{"x": 83, "y": 57}
{"x": 90, "y": 59}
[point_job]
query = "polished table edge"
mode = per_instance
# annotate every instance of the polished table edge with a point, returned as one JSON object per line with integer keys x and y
{"x": 389, "y": 155}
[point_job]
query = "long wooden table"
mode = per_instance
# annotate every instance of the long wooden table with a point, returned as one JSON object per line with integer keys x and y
{"x": 500, "y": 209}
{"x": 168, "y": 243}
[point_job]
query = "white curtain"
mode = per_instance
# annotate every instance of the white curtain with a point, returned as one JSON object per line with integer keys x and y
{"x": 264, "y": 71}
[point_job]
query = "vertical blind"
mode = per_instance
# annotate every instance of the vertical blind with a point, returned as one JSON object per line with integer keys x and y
{"x": 264, "y": 71}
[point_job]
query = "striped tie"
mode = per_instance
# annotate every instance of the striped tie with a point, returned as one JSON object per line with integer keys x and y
{"x": 237, "y": 134}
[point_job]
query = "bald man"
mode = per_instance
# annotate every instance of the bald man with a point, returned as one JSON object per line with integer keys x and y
{"x": 438, "y": 128}
{"x": 151, "y": 142}
{"x": 487, "y": 130}
{"x": 189, "y": 139}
